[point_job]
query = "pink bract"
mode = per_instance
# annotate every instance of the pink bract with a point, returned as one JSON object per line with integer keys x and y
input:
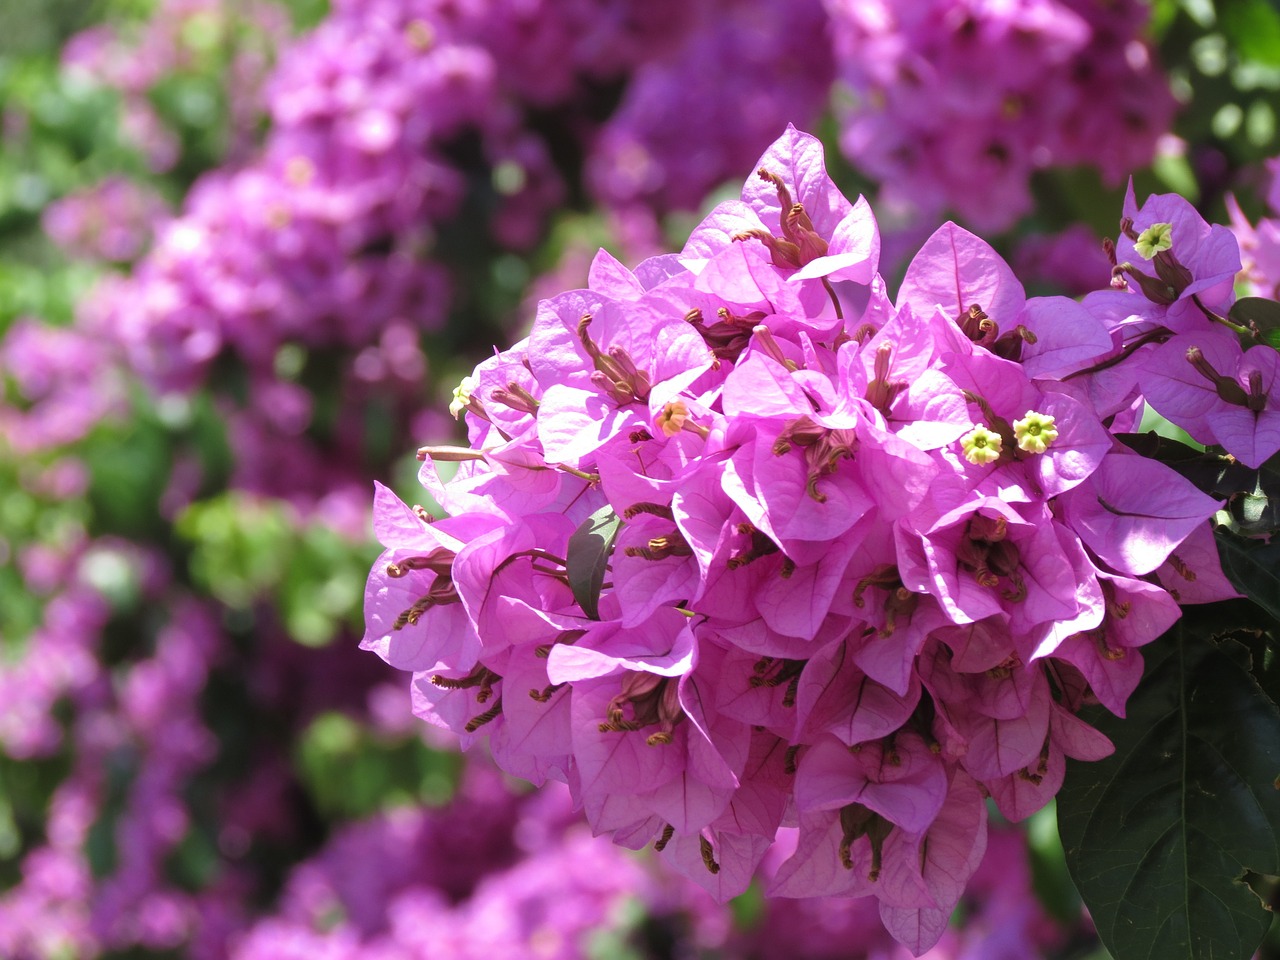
{"x": 726, "y": 555}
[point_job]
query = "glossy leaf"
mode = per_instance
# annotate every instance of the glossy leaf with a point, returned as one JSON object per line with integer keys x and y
{"x": 588, "y": 558}
{"x": 1257, "y": 312}
{"x": 1253, "y": 567}
{"x": 1160, "y": 835}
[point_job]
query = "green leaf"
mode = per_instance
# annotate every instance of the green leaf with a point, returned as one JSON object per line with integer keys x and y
{"x": 587, "y": 558}
{"x": 1176, "y": 173}
{"x": 242, "y": 545}
{"x": 748, "y": 907}
{"x": 1253, "y": 26}
{"x": 1265, "y": 887}
{"x": 1253, "y": 567}
{"x": 1049, "y": 875}
{"x": 307, "y": 13}
{"x": 129, "y": 467}
{"x": 350, "y": 770}
{"x": 1203, "y": 469}
{"x": 1257, "y": 313}
{"x": 1160, "y": 835}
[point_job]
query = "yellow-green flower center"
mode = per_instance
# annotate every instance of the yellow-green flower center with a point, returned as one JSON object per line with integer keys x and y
{"x": 1035, "y": 432}
{"x": 1157, "y": 237}
{"x": 981, "y": 446}
{"x": 462, "y": 396}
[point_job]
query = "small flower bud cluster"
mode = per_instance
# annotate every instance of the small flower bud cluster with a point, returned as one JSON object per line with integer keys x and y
{"x": 741, "y": 543}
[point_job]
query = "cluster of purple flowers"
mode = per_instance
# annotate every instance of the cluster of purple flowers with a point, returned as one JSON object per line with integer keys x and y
{"x": 1207, "y": 374}
{"x": 133, "y": 730}
{"x": 956, "y": 102}
{"x": 740, "y": 71}
{"x": 322, "y": 240}
{"x": 65, "y": 380}
{"x": 238, "y": 40}
{"x": 492, "y": 872}
{"x": 485, "y": 876}
{"x": 775, "y": 571}
{"x": 111, "y": 221}
{"x": 322, "y": 253}
{"x": 327, "y": 237}
{"x": 1001, "y": 919}
{"x": 271, "y": 253}
{"x": 741, "y": 543}
{"x": 492, "y": 875}
{"x": 325, "y": 254}
{"x": 134, "y": 743}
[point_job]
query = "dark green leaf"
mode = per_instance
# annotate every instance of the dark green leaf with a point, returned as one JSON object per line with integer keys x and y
{"x": 1253, "y": 567}
{"x": 307, "y": 13}
{"x": 1265, "y": 887}
{"x": 1159, "y": 835}
{"x": 587, "y": 558}
{"x": 101, "y": 844}
{"x": 193, "y": 863}
{"x": 1164, "y": 449}
{"x": 1256, "y": 312}
{"x": 1205, "y": 470}
{"x": 1251, "y": 630}
{"x": 128, "y": 469}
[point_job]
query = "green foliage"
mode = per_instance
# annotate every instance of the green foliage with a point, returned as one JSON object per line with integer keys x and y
{"x": 1253, "y": 29}
{"x": 1253, "y": 566}
{"x": 28, "y": 28}
{"x": 195, "y": 861}
{"x": 1160, "y": 835}
{"x": 618, "y": 942}
{"x": 1049, "y": 874}
{"x": 240, "y": 546}
{"x": 748, "y": 907}
{"x": 588, "y": 558}
{"x": 1224, "y": 59}
{"x": 100, "y": 845}
{"x": 307, "y": 14}
{"x": 25, "y": 790}
{"x": 323, "y": 587}
{"x": 129, "y": 469}
{"x": 247, "y": 550}
{"x": 1259, "y": 315}
{"x": 351, "y": 771}
{"x": 25, "y": 519}
{"x": 64, "y": 137}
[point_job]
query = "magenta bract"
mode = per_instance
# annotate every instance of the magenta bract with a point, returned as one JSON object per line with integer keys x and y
{"x": 846, "y": 568}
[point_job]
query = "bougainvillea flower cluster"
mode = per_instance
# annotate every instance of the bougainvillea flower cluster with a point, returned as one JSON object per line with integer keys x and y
{"x": 956, "y": 102}
{"x": 740, "y": 542}
{"x": 1210, "y": 375}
